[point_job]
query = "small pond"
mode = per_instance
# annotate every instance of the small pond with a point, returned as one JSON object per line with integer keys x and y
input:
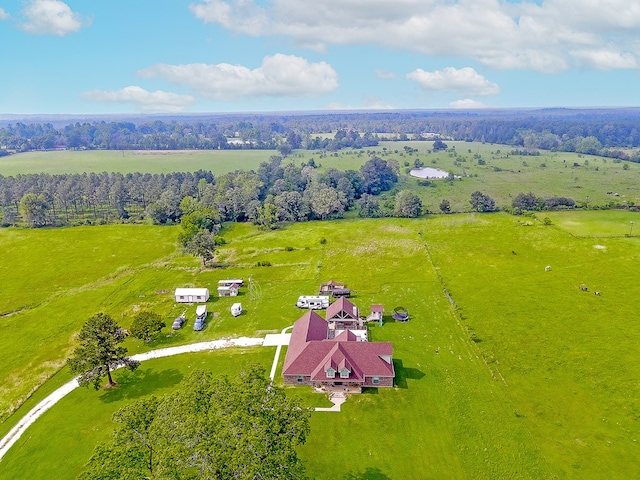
{"x": 428, "y": 172}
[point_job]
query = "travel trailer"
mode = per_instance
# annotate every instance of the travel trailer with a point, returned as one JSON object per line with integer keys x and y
{"x": 313, "y": 302}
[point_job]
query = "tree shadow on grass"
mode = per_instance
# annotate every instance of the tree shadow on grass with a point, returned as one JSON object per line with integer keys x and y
{"x": 405, "y": 373}
{"x": 141, "y": 382}
{"x": 368, "y": 474}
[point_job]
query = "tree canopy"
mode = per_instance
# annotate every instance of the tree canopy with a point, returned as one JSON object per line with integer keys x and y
{"x": 146, "y": 324}
{"x": 482, "y": 202}
{"x": 99, "y": 351}
{"x": 226, "y": 427}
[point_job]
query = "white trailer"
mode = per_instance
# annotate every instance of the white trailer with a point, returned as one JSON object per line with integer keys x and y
{"x": 236, "y": 309}
{"x": 201, "y": 311}
{"x": 313, "y": 302}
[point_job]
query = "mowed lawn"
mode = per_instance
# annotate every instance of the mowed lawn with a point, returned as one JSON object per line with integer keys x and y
{"x": 526, "y": 376}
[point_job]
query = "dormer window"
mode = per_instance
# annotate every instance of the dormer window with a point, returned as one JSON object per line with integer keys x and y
{"x": 331, "y": 373}
{"x": 344, "y": 373}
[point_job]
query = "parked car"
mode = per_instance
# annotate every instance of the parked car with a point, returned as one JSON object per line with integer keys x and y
{"x": 199, "y": 324}
{"x": 178, "y": 322}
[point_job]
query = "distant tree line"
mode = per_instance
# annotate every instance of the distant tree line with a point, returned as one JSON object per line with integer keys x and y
{"x": 159, "y": 135}
{"x": 597, "y": 131}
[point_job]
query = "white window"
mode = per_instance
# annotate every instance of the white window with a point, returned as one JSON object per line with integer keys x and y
{"x": 331, "y": 373}
{"x": 344, "y": 373}
{"x": 376, "y": 380}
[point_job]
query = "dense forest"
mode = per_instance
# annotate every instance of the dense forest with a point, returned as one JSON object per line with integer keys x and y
{"x": 606, "y": 132}
{"x": 275, "y": 193}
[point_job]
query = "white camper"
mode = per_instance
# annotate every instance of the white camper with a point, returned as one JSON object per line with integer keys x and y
{"x": 318, "y": 302}
{"x": 201, "y": 311}
{"x": 236, "y": 309}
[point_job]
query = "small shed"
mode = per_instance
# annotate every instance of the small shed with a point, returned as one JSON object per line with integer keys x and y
{"x": 377, "y": 312}
{"x": 230, "y": 281}
{"x": 191, "y": 295}
{"x": 228, "y": 291}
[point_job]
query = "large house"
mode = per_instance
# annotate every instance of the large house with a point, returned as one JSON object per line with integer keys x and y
{"x": 344, "y": 361}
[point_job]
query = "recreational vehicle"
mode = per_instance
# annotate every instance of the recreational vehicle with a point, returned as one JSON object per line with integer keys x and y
{"x": 313, "y": 302}
{"x": 236, "y": 309}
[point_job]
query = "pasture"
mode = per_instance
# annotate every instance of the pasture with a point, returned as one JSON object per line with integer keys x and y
{"x": 522, "y": 376}
{"x": 589, "y": 180}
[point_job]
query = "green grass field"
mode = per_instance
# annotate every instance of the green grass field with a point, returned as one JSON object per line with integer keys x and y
{"x": 594, "y": 181}
{"x": 526, "y": 376}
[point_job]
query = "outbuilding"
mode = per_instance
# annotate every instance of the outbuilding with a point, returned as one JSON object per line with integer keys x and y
{"x": 192, "y": 295}
{"x": 228, "y": 291}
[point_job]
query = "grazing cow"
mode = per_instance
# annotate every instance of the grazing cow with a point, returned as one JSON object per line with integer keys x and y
{"x": 596, "y": 293}
{"x": 513, "y": 252}
{"x": 547, "y": 268}
{"x": 583, "y": 287}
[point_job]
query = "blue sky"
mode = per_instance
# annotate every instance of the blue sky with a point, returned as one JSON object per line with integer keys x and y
{"x": 156, "y": 56}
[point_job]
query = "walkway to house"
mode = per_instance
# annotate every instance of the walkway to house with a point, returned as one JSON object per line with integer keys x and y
{"x": 337, "y": 398}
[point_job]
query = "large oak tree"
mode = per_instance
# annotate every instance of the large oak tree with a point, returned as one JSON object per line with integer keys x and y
{"x": 227, "y": 427}
{"x": 99, "y": 351}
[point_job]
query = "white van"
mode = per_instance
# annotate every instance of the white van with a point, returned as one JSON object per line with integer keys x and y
{"x": 236, "y": 309}
{"x": 312, "y": 302}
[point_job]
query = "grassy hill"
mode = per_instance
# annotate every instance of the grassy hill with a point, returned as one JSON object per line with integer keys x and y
{"x": 516, "y": 374}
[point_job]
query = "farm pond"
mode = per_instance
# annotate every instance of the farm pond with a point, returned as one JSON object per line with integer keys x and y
{"x": 428, "y": 172}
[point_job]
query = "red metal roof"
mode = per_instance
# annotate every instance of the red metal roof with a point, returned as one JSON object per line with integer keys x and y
{"x": 342, "y": 304}
{"x": 310, "y": 352}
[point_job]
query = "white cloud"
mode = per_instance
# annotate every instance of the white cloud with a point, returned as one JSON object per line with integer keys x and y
{"x": 51, "y": 17}
{"x": 279, "y": 76}
{"x": 464, "y": 81}
{"x": 527, "y": 34}
{"x": 384, "y": 75}
{"x": 3, "y": 14}
{"x": 142, "y": 99}
{"x": 467, "y": 103}
{"x": 605, "y": 59}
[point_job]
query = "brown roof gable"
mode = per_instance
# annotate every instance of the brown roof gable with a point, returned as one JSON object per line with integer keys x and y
{"x": 342, "y": 308}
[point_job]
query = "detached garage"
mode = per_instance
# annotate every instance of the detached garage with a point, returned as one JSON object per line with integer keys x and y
{"x": 192, "y": 295}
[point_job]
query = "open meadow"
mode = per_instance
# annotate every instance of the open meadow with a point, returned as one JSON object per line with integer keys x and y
{"x": 504, "y": 371}
{"x": 588, "y": 179}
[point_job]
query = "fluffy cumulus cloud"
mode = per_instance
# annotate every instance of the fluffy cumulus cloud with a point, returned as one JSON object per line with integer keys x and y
{"x": 3, "y": 14}
{"x": 279, "y": 76}
{"x": 143, "y": 100}
{"x": 51, "y": 17}
{"x": 548, "y": 36}
{"x": 467, "y": 104}
{"x": 463, "y": 81}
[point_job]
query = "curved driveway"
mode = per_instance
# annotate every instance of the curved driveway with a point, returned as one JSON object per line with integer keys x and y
{"x": 16, "y": 432}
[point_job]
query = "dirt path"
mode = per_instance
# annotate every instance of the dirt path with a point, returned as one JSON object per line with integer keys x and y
{"x": 16, "y": 432}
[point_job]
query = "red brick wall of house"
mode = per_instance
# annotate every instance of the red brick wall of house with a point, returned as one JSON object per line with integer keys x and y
{"x": 293, "y": 380}
{"x": 384, "y": 382}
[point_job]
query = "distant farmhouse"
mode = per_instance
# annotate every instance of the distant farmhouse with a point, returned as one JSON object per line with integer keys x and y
{"x": 191, "y": 295}
{"x": 335, "y": 354}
